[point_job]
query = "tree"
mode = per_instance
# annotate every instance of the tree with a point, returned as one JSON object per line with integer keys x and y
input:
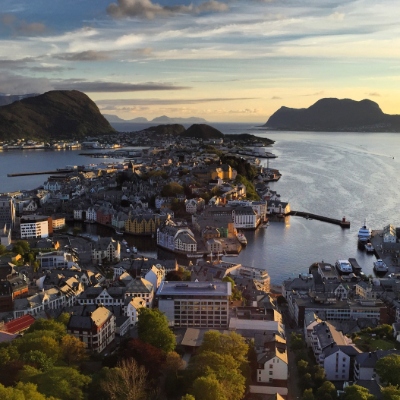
{"x": 296, "y": 341}
{"x": 126, "y": 382}
{"x": 151, "y": 357}
{"x": 48, "y": 325}
{"x": 326, "y": 391}
{"x": 23, "y": 391}
{"x": 308, "y": 395}
{"x": 64, "y": 318}
{"x": 187, "y": 397}
{"x": 173, "y": 363}
{"x": 3, "y": 249}
{"x": 208, "y": 388}
{"x": 388, "y": 369}
{"x": 356, "y": 392}
{"x": 302, "y": 367}
{"x": 172, "y": 189}
{"x": 390, "y": 393}
{"x": 153, "y": 329}
{"x": 73, "y": 350}
{"x": 38, "y": 359}
{"x": 231, "y": 343}
{"x": 60, "y": 382}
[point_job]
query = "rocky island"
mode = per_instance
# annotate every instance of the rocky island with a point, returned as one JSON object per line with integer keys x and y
{"x": 339, "y": 115}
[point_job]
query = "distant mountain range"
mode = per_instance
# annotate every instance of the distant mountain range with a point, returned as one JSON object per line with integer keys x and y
{"x": 330, "y": 114}
{"x": 6, "y": 99}
{"x": 58, "y": 114}
{"x": 159, "y": 120}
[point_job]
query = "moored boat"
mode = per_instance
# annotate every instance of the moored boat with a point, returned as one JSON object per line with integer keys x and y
{"x": 242, "y": 239}
{"x": 369, "y": 248}
{"x": 380, "y": 266}
{"x": 344, "y": 267}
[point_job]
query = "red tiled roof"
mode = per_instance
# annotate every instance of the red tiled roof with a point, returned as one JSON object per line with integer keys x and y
{"x": 19, "y": 324}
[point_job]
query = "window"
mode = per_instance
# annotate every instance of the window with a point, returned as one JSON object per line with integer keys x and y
{"x": 270, "y": 372}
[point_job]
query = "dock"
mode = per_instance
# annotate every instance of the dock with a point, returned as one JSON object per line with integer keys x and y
{"x": 341, "y": 222}
{"x": 36, "y": 173}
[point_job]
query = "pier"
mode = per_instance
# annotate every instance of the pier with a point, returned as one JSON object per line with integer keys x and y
{"x": 341, "y": 222}
{"x": 37, "y": 173}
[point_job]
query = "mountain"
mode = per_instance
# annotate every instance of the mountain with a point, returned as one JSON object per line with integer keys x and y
{"x": 115, "y": 119}
{"x": 203, "y": 131}
{"x": 167, "y": 120}
{"x": 58, "y": 114}
{"x": 332, "y": 114}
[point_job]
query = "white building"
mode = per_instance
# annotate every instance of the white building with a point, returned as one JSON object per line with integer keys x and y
{"x": 34, "y": 226}
{"x": 244, "y": 217}
{"x": 176, "y": 238}
{"x": 273, "y": 364}
{"x": 56, "y": 259}
{"x": 194, "y": 304}
{"x": 155, "y": 275}
{"x": 132, "y": 308}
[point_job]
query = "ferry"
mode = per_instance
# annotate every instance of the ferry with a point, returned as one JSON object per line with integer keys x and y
{"x": 364, "y": 234}
{"x": 380, "y": 266}
{"x": 344, "y": 267}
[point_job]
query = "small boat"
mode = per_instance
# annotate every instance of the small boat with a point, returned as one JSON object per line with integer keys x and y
{"x": 134, "y": 250}
{"x": 369, "y": 248}
{"x": 119, "y": 232}
{"x": 380, "y": 266}
{"x": 344, "y": 267}
{"x": 242, "y": 239}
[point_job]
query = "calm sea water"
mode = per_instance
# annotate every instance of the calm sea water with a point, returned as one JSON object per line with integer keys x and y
{"x": 333, "y": 174}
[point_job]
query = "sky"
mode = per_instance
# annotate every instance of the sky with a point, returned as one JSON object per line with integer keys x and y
{"x": 222, "y": 60}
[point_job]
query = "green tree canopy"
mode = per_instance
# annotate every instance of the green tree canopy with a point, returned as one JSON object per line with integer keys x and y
{"x": 60, "y": 382}
{"x": 390, "y": 393}
{"x": 356, "y": 392}
{"x": 388, "y": 369}
{"x": 208, "y": 388}
{"x": 23, "y": 391}
{"x": 153, "y": 329}
{"x": 171, "y": 189}
{"x": 48, "y": 325}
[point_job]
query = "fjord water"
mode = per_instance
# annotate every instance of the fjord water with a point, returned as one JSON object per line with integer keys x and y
{"x": 333, "y": 174}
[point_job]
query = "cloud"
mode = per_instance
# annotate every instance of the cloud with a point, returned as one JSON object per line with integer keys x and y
{"x": 313, "y": 94}
{"x": 21, "y": 63}
{"x": 276, "y": 98}
{"x": 149, "y": 10}
{"x": 373, "y": 94}
{"x": 21, "y": 27}
{"x": 89, "y": 55}
{"x": 337, "y": 16}
{"x": 247, "y": 111}
{"x": 19, "y": 84}
{"x": 153, "y": 102}
{"x": 113, "y": 87}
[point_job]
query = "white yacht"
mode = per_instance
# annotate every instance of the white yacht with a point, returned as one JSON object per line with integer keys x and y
{"x": 364, "y": 233}
{"x": 242, "y": 239}
{"x": 369, "y": 248}
{"x": 344, "y": 267}
{"x": 380, "y": 266}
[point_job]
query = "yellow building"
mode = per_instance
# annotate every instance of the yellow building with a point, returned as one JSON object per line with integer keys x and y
{"x": 224, "y": 172}
{"x": 142, "y": 224}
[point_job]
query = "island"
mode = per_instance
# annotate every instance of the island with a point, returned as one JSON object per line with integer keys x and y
{"x": 335, "y": 115}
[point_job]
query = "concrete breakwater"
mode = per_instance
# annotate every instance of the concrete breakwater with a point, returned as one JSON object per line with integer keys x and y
{"x": 341, "y": 222}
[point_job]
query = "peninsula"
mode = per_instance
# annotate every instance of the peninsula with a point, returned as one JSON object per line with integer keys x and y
{"x": 338, "y": 115}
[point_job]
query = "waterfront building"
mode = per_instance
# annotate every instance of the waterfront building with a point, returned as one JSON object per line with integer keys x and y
{"x": 35, "y": 226}
{"x": 57, "y": 222}
{"x": 106, "y": 248}
{"x": 176, "y": 238}
{"x": 143, "y": 223}
{"x": 94, "y": 328}
{"x": 194, "y": 304}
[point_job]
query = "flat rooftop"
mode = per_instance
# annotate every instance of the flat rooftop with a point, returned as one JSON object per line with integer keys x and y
{"x": 194, "y": 289}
